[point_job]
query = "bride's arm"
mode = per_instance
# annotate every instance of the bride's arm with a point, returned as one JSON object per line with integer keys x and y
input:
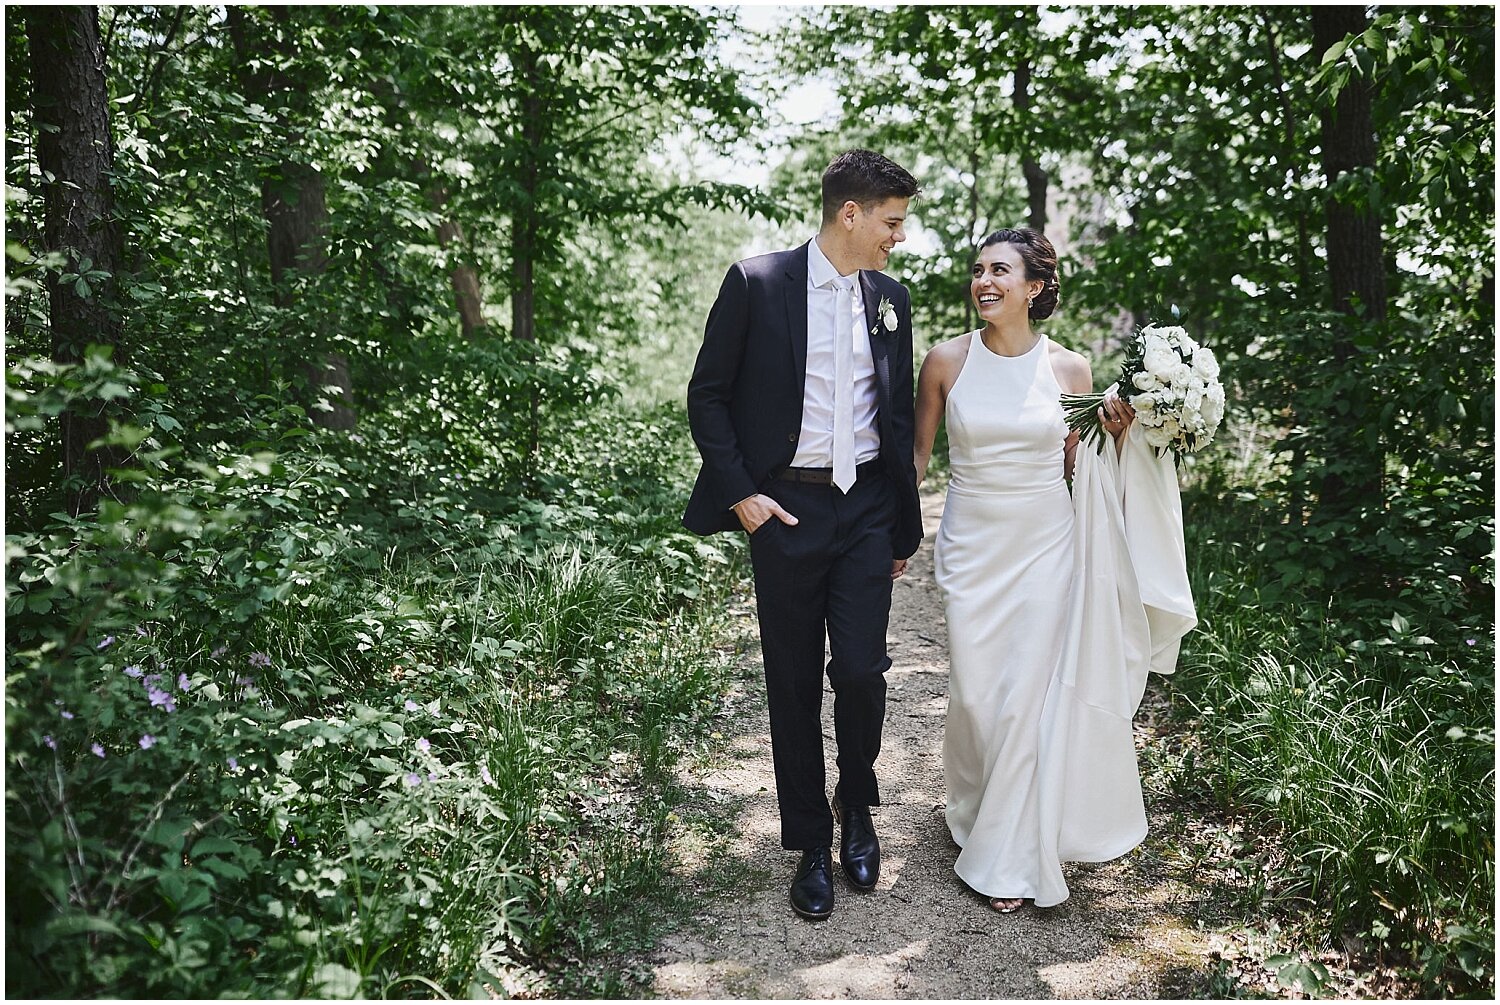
{"x": 932, "y": 398}
{"x": 1075, "y": 377}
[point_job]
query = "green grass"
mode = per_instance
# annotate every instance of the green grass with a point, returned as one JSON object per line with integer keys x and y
{"x": 395, "y": 766}
{"x": 1364, "y": 750}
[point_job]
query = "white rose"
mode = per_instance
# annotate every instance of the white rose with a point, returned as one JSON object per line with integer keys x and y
{"x": 1182, "y": 376}
{"x": 1145, "y": 381}
{"x": 1157, "y": 438}
{"x": 1192, "y": 419}
{"x": 1172, "y": 333}
{"x": 1160, "y": 358}
{"x": 1205, "y": 365}
{"x": 1142, "y": 402}
{"x": 1213, "y": 404}
{"x": 1192, "y": 401}
{"x": 888, "y": 318}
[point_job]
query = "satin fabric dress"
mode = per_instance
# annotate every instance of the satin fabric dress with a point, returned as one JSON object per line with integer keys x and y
{"x": 1050, "y": 639}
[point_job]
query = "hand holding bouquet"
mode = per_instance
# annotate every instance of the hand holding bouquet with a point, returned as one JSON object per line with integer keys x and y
{"x": 1172, "y": 383}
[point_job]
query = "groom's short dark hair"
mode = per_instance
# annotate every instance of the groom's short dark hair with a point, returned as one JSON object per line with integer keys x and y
{"x": 865, "y": 177}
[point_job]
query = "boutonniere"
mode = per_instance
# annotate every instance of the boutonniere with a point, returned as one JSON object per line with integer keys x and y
{"x": 887, "y": 315}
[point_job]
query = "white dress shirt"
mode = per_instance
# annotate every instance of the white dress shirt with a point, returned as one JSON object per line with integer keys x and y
{"x": 815, "y": 443}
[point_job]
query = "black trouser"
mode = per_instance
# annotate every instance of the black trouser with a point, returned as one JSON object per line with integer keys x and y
{"x": 831, "y": 572}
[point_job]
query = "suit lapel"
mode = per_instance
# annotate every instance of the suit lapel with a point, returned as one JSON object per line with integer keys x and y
{"x": 796, "y": 312}
{"x": 880, "y": 339}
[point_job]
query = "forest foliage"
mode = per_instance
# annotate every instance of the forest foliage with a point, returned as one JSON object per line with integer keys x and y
{"x": 351, "y": 632}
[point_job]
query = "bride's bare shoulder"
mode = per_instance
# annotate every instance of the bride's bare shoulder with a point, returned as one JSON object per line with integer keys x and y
{"x": 941, "y": 365}
{"x": 1072, "y": 369}
{"x": 948, "y": 353}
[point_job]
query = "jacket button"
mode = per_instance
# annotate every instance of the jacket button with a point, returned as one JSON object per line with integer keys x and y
{"x": 791, "y": 437}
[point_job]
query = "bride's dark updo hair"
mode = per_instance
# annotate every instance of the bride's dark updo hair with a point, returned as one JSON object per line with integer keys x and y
{"x": 1041, "y": 264}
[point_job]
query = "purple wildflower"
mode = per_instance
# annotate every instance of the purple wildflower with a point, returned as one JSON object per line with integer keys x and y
{"x": 413, "y": 779}
{"x": 423, "y": 745}
{"x": 260, "y": 660}
{"x": 66, "y": 714}
{"x": 234, "y": 764}
{"x": 220, "y": 651}
{"x": 98, "y": 750}
{"x": 182, "y": 682}
{"x": 148, "y": 741}
{"x": 151, "y": 681}
{"x": 51, "y": 743}
{"x": 162, "y": 699}
{"x": 108, "y": 641}
{"x": 1469, "y": 642}
{"x": 484, "y": 773}
{"x": 140, "y": 630}
{"x": 136, "y": 671}
{"x": 412, "y": 706}
{"x": 432, "y": 777}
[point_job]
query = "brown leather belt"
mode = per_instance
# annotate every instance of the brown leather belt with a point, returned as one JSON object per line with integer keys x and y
{"x": 824, "y": 476}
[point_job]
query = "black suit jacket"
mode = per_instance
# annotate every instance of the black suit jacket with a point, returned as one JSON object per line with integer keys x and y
{"x": 745, "y": 396}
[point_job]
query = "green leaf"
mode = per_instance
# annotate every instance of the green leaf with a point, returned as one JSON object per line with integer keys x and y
{"x": 76, "y": 924}
{"x": 332, "y": 980}
{"x": 214, "y": 846}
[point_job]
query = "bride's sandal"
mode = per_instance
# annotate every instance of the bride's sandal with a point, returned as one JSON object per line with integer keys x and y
{"x": 1006, "y": 905}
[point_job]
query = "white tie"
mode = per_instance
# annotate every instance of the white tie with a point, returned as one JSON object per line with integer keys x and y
{"x": 843, "y": 386}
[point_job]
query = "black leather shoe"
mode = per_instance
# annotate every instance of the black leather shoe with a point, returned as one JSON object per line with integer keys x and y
{"x": 812, "y": 889}
{"x": 859, "y": 848}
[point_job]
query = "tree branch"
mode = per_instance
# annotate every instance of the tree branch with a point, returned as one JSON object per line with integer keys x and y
{"x": 153, "y": 78}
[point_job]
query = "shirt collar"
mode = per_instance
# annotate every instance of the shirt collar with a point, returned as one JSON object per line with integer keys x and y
{"x": 820, "y": 271}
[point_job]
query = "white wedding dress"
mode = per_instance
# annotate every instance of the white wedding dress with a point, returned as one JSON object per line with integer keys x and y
{"x": 1057, "y": 606}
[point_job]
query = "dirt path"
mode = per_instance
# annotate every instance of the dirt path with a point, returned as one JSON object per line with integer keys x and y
{"x": 1125, "y": 933}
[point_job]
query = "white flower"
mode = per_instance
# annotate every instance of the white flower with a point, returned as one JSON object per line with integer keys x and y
{"x": 1192, "y": 401}
{"x": 1160, "y": 358}
{"x": 1205, "y": 365}
{"x": 1213, "y": 404}
{"x": 1157, "y": 438}
{"x": 1174, "y": 334}
{"x": 1145, "y": 381}
{"x": 887, "y": 314}
{"x": 1182, "y": 377}
{"x": 1142, "y": 402}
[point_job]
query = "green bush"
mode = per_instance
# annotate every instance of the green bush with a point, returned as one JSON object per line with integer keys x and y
{"x": 1364, "y": 742}
{"x": 271, "y": 735}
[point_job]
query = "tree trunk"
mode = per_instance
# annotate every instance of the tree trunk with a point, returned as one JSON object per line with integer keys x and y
{"x": 75, "y": 149}
{"x": 1031, "y": 168}
{"x": 450, "y": 235}
{"x": 464, "y": 278}
{"x": 292, "y": 201}
{"x": 974, "y": 239}
{"x": 1356, "y": 260}
{"x": 523, "y": 239}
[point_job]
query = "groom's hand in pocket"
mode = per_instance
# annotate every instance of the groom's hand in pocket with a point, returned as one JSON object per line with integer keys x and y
{"x": 757, "y": 509}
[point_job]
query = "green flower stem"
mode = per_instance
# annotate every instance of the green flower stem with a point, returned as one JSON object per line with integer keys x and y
{"x": 1082, "y": 414}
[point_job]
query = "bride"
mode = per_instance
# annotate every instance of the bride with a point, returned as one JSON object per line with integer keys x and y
{"x": 1049, "y": 635}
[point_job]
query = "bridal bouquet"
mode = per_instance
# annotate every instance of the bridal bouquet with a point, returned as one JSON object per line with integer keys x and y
{"x": 1171, "y": 381}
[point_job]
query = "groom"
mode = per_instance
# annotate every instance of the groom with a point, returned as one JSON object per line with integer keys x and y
{"x": 801, "y": 406}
